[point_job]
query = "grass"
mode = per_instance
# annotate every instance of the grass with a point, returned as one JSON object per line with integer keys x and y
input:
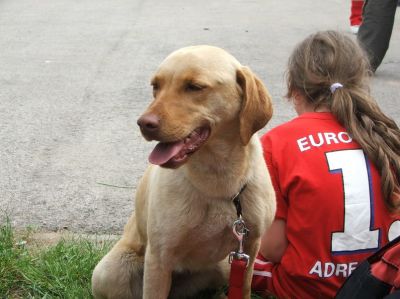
{"x": 61, "y": 270}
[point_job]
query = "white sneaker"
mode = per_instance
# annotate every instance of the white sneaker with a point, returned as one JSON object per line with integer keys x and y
{"x": 354, "y": 29}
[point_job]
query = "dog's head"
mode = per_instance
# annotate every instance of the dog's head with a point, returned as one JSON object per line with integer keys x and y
{"x": 200, "y": 93}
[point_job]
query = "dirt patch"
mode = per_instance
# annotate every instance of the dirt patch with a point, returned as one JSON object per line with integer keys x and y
{"x": 41, "y": 239}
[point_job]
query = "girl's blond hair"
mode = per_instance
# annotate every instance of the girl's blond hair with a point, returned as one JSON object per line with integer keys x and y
{"x": 328, "y": 57}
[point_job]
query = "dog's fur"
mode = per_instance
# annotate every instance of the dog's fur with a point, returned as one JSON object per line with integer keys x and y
{"x": 177, "y": 240}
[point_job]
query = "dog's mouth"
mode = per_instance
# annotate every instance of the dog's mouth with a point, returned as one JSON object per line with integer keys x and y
{"x": 174, "y": 154}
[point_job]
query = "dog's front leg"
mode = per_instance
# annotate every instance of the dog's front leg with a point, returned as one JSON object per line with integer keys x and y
{"x": 252, "y": 249}
{"x": 157, "y": 277}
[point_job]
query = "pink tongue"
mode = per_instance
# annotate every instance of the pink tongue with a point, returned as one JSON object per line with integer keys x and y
{"x": 165, "y": 151}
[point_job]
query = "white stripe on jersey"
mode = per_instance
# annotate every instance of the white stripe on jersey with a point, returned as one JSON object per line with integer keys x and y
{"x": 262, "y": 273}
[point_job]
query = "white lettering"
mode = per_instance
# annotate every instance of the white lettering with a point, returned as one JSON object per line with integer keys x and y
{"x": 329, "y": 137}
{"x": 347, "y": 136}
{"x": 317, "y": 269}
{"x": 352, "y": 267}
{"x": 320, "y": 139}
{"x": 341, "y": 268}
{"x": 329, "y": 269}
{"x": 303, "y": 143}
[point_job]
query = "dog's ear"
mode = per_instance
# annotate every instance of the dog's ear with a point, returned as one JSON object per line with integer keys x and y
{"x": 256, "y": 108}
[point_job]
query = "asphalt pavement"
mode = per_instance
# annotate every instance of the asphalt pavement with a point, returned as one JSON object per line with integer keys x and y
{"x": 74, "y": 77}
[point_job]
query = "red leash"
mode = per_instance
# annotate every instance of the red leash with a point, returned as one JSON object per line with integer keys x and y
{"x": 238, "y": 267}
{"x": 238, "y": 259}
{"x": 239, "y": 262}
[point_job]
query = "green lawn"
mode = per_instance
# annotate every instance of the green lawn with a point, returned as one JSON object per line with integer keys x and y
{"x": 60, "y": 270}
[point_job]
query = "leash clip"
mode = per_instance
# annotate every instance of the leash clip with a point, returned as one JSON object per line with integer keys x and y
{"x": 240, "y": 231}
{"x": 239, "y": 256}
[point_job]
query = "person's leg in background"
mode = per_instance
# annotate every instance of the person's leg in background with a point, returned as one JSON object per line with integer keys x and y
{"x": 356, "y": 15}
{"x": 376, "y": 29}
{"x": 262, "y": 277}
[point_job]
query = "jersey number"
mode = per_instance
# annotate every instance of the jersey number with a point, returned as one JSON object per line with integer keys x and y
{"x": 357, "y": 234}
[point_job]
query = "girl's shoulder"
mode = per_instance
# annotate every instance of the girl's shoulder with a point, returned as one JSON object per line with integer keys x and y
{"x": 305, "y": 122}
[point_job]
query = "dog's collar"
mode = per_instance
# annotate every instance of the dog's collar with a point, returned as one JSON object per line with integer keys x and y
{"x": 236, "y": 201}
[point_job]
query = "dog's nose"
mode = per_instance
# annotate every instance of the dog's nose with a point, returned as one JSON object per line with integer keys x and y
{"x": 149, "y": 123}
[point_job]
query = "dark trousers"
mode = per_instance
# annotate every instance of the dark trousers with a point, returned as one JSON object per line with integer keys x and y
{"x": 376, "y": 28}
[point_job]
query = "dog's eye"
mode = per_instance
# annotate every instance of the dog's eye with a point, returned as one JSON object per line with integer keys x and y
{"x": 194, "y": 87}
{"x": 155, "y": 88}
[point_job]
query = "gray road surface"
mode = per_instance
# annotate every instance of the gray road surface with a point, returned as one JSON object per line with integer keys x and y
{"x": 74, "y": 77}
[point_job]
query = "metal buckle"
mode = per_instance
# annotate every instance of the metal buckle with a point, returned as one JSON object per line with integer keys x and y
{"x": 239, "y": 256}
{"x": 240, "y": 231}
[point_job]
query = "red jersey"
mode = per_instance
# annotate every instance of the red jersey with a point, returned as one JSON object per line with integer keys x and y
{"x": 329, "y": 194}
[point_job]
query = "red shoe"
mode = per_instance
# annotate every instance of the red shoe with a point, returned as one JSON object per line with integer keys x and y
{"x": 356, "y": 12}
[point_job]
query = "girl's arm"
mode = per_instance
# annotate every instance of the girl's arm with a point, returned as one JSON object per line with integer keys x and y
{"x": 274, "y": 241}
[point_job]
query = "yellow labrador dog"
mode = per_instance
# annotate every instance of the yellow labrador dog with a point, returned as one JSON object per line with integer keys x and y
{"x": 206, "y": 110}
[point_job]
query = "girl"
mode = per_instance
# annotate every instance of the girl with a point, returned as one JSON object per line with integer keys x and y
{"x": 336, "y": 173}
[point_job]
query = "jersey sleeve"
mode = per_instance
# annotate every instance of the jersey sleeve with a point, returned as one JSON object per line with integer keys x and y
{"x": 281, "y": 204}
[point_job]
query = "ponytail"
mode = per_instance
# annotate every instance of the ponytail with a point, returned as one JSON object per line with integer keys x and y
{"x": 377, "y": 134}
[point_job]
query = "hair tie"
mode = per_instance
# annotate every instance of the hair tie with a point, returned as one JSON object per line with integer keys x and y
{"x": 335, "y": 86}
